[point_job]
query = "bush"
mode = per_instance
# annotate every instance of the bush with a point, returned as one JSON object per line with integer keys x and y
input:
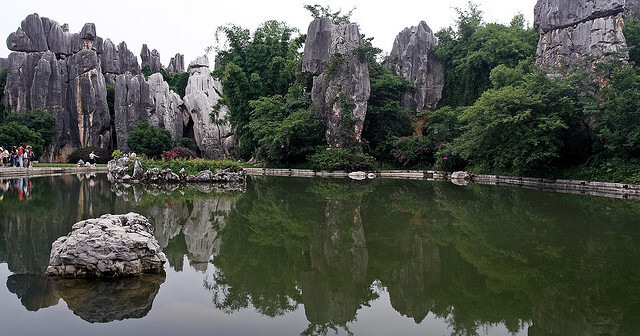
{"x": 103, "y": 155}
{"x": 188, "y": 143}
{"x": 191, "y": 167}
{"x": 148, "y": 140}
{"x": 340, "y": 159}
{"x": 413, "y": 151}
{"x": 178, "y": 153}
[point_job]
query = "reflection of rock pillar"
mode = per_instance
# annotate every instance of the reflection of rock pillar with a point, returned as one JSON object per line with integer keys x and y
{"x": 201, "y": 238}
{"x": 410, "y": 285}
{"x": 336, "y": 286}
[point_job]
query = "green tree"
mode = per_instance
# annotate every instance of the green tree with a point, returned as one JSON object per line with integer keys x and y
{"x": 148, "y": 140}
{"x": 264, "y": 64}
{"x": 510, "y": 130}
{"x": 284, "y": 128}
{"x": 318, "y": 12}
{"x": 15, "y": 134}
{"x": 471, "y": 50}
{"x": 39, "y": 121}
{"x": 631, "y": 33}
{"x": 618, "y": 118}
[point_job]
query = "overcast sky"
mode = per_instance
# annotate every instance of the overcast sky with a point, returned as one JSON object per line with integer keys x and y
{"x": 188, "y": 26}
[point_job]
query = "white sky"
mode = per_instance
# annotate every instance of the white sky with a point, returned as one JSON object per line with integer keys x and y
{"x": 188, "y": 26}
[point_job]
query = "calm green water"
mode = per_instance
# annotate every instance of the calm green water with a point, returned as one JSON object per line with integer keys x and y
{"x": 299, "y": 256}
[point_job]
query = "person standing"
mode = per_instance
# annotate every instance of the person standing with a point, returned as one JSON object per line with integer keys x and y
{"x": 14, "y": 157}
{"x": 20, "y": 156}
{"x": 4, "y": 154}
{"x": 27, "y": 156}
{"x": 92, "y": 158}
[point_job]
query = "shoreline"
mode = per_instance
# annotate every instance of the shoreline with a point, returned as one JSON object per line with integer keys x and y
{"x": 10, "y": 172}
{"x": 593, "y": 188}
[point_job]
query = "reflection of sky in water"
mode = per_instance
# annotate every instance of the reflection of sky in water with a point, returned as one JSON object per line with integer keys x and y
{"x": 184, "y": 307}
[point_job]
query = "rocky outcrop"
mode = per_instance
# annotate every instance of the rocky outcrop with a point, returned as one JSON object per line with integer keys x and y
{"x": 118, "y": 171}
{"x": 572, "y": 31}
{"x": 150, "y": 58}
{"x": 60, "y": 73}
{"x": 29, "y": 37}
{"x": 413, "y": 57}
{"x": 139, "y": 100}
{"x": 211, "y": 130}
{"x": 117, "y": 60}
{"x": 176, "y": 63}
{"x": 112, "y": 246}
{"x": 133, "y": 104}
{"x": 341, "y": 85}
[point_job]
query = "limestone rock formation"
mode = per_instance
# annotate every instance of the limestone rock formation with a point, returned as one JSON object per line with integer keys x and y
{"x": 112, "y": 245}
{"x": 574, "y": 30}
{"x": 29, "y": 37}
{"x": 176, "y": 64}
{"x": 4, "y": 64}
{"x": 213, "y": 137}
{"x": 341, "y": 85}
{"x": 416, "y": 61}
{"x": 150, "y": 58}
{"x": 128, "y": 61}
{"x": 59, "y": 72}
{"x": 140, "y": 100}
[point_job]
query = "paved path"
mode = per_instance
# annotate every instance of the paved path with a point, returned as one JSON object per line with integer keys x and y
{"x": 6, "y": 172}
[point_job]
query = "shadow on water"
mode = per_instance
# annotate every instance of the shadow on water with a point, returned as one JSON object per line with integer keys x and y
{"x": 474, "y": 257}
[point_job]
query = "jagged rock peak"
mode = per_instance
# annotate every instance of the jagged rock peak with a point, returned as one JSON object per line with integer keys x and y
{"x": 150, "y": 58}
{"x": 29, "y": 37}
{"x": 4, "y": 63}
{"x": 176, "y": 64}
{"x": 88, "y": 32}
{"x": 317, "y": 45}
{"x": 416, "y": 61}
{"x": 343, "y": 93}
{"x": 199, "y": 62}
{"x": 128, "y": 61}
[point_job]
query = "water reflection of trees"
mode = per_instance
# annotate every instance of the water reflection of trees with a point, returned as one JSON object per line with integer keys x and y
{"x": 474, "y": 256}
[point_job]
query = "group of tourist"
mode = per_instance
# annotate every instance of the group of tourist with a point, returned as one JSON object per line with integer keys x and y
{"x": 16, "y": 156}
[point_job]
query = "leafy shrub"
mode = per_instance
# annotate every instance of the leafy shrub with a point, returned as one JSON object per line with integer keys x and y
{"x": 178, "y": 153}
{"x": 149, "y": 140}
{"x": 116, "y": 154}
{"x": 413, "y": 151}
{"x": 103, "y": 155}
{"x": 340, "y": 159}
{"x": 191, "y": 167}
{"x": 188, "y": 143}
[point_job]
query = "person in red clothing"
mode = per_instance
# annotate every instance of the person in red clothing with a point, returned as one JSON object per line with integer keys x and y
{"x": 20, "y": 156}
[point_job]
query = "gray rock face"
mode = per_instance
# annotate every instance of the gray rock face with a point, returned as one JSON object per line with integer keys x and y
{"x": 4, "y": 64}
{"x": 139, "y": 100}
{"x": 214, "y": 138}
{"x": 128, "y": 61}
{"x": 150, "y": 58}
{"x": 416, "y": 62}
{"x": 176, "y": 64}
{"x": 340, "y": 93}
{"x": 573, "y": 30}
{"x": 317, "y": 46}
{"x": 555, "y": 14}
{"x": 29, "y": 37}
{"x": 133, "y": 104}
{"x": 112, "y": 245}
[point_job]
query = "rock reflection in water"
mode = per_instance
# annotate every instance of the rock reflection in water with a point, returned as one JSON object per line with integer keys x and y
{"x": 93, "y": 300}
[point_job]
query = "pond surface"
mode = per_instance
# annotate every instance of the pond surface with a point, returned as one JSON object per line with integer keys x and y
{"x": 294, "y": 256}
